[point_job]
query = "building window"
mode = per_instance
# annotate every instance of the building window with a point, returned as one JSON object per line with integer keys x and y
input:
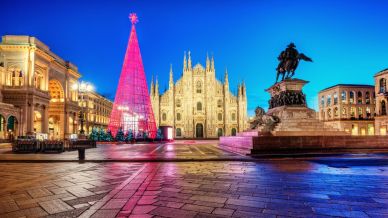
{"x": 335, "y": 96}
{"x": 359, "y": 97}
{"x": 219, "y": 117}
{"x": 328, "y": 103}
{"x": 383, "y": 108}
{"x": 178, "y": 103}
{"x": 383, "y": 84}
{"x": 368, "y": 113}
{"x": 199, "y": 106}
{"x": 219, "y": 132}
{"x": 360, "y": 114}
{"x": 329, "y": 113}
{"x": 233, "y": 116}
{"x": 351, "y": 97}
{"x": 16, "y": 78}
{"x": 367, "y": 98}
{"x": 322, "y": 101}
{"x": 178, "y": 132}
{"x": 234, "y": 132}
{"x": 178, "y": 116}
{"x": 199, "y": 87}
{"x": 344, "y": 112}
{"x": 352, "y": 112}
{"x": 164, "y": 117}
{"x": 336, "y": 113}
{"x": 343, "y": 96}
{"x": 219, "y": 103}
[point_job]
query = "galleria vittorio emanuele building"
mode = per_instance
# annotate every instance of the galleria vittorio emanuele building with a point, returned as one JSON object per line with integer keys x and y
{"x": 36, "y": 94}
{"x": 198, "y": 105}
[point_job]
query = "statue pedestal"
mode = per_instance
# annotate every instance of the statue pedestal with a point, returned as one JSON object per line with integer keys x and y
{"x": 288, "y": 103}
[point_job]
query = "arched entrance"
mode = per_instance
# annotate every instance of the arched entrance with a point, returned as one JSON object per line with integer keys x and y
{"x": 12, "y": 127}
{"x": 199, "y": 130}
{"x": 234, "y": 132}
{"x": 56, "y": 91}
{"x": 3, "y": 131}
{"x": 37, "y": 121}
{"x": 219, "y": 132}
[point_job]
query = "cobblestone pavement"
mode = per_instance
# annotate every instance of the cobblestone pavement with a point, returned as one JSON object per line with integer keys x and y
{"x": 316, "y": 187}
{"x": 178, "y": 150}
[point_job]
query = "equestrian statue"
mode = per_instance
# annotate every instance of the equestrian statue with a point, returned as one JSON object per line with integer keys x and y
{"x": 288, "y": 62}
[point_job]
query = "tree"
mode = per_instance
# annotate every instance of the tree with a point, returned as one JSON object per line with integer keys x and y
{"x": 94, "y": 134}
{"x": 108, "y": 136}
{"x": 159, "y": 135}
{"x": 101, "y": 135}
{"x": 129, "y": 136}
{"x": 120, "y": 135}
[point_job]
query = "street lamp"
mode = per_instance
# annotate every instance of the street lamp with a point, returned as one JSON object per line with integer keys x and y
{"x": 82, "y": 88}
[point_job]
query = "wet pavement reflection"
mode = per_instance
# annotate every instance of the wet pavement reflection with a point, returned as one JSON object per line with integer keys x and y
{"x": 332, "y": 186}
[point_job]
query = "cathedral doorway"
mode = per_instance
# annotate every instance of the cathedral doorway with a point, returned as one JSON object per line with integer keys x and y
{"x": 199, "y": 130}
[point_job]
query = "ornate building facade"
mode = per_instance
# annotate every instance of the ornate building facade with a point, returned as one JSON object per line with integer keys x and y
{"x": 198, "y": 105}
{"x": 349, "y": 107}
{"x": 35, "y": 90}
{"x": 381, "y": 119}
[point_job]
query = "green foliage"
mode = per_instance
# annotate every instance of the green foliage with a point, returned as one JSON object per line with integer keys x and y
{"x": 129, "y": 136}
{"x": 94, "y": 134}
{"x": 108, "y": 136}
{"x": 120, "y": 135}
{"x": 101, "y": 135}
{"x": 159, "y": 135}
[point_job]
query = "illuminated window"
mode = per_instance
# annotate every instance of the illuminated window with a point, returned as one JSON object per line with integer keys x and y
{"x": 352, "y": 112}
{"x": 328, "y": 103}
{"x": 368, "y": 113}
{"x": 359, "y": 97}
{"x": 343, "y": 96}
{"x": 335, "y": 96}
{"x": 367, "y": 98}
{"x": 351, "y": 97}
{"x": 360, "y": 114}
{"x": 336, "y": 113}
{"x": 199, "y": 106}
{"x": 344, "y": 112}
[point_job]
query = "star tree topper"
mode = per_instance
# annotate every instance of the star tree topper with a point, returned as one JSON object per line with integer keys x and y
{"x": 133, "y": 18}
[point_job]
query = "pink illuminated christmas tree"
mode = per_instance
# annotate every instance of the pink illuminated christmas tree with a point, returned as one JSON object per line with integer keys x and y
{"x": 132, "y": 110}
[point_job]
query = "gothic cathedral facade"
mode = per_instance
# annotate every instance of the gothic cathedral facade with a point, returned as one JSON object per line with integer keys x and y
{"x": 198, "y": 105}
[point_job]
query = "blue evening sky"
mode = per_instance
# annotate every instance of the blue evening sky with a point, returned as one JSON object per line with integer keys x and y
{"x": 346, "y": 39}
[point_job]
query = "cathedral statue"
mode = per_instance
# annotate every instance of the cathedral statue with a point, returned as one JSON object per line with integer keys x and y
{"x": 288, "y": 62}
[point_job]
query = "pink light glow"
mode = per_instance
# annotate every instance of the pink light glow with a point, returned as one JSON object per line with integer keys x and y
{"x": 132, "y": 108}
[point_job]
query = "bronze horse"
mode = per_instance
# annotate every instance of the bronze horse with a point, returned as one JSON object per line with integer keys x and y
{"x": 289, "y": 61}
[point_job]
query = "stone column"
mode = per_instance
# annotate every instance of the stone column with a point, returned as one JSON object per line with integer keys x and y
{"x": 45, "y": 119}
{"x": 30, "y": 118}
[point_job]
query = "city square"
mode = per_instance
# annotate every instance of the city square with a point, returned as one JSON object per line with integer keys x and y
{"x": 278, "y": 109}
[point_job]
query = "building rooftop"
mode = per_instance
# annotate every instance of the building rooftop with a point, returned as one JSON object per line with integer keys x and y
{"x": 348, "y": 85}
{"x": 382, "y": 72}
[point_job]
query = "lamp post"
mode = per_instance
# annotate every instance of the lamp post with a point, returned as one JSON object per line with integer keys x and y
{"x": 82, "y": 88}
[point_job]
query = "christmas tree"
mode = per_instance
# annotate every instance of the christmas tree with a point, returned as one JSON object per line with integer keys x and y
{"x": 129, "y": 136}
{"x": 109, "y": 136}
{"x": 94, "y": 134}
{"x": 101, "y": 135}
{"x": 120, "y": 135}
{"x": 132, "y": 107}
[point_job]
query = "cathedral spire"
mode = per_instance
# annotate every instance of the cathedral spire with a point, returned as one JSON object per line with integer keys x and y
{"x": 189, "y": 61}
{"x": 184, "y": 62}
{"x": 156, "y": 87}
{"x": 212, "y": 64}
{"x": 207, "y": 62}
{"x": 171, "y": 82}
{"x": 226, "y": 78}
